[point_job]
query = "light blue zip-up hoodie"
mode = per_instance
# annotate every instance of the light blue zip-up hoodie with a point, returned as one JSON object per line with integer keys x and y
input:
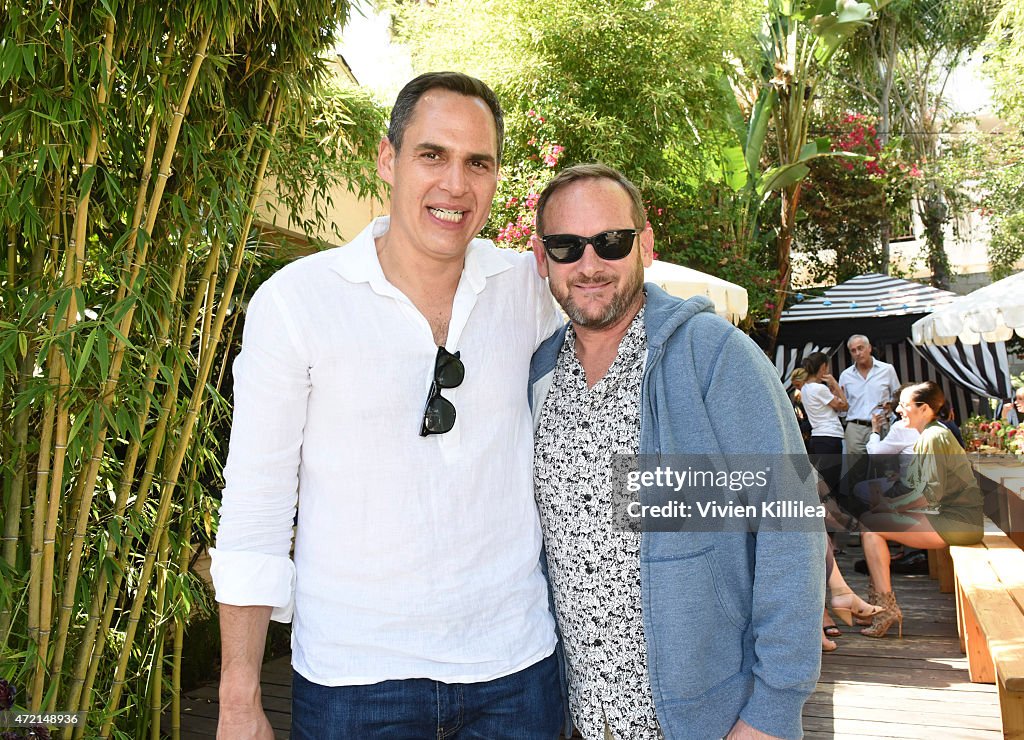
{"x": 732, "y": 620}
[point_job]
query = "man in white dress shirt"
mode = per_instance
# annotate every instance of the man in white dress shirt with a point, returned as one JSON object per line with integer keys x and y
{"x": 868, "y": 384}
{"x": 418, "y": 605}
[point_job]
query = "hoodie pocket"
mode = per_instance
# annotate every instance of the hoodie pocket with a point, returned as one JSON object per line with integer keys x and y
{"x": 696, "y": 640}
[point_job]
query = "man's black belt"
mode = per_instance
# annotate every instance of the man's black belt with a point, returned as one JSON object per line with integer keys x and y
{"x": 859, "y": 421}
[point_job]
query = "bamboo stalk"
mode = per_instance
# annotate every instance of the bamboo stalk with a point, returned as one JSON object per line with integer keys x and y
{"x": 184, "y": 556}
{"x": 87, "y": 647}
{"x": 156, "y": 444}
{"x": 73, "y": 279}
{"x": 39, "y": 503}
{"x": 144, "y": 180}
{"x": 12, "y": 503}
{"x": 174, "y": 465}
{"x": 42, "y": 470}
{"x": 157, "y": 674}
{"x": 113, "y": 375}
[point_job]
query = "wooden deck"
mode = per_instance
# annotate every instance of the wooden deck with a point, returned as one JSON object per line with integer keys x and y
{"x": 916, "y": 687}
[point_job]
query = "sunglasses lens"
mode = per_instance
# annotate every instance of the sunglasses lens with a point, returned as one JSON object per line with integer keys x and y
{"x": 438, "y": 417}
{"x": 614, "y": 245}
{"x": 564, "y": 247}
{"x": 449, "y": 371}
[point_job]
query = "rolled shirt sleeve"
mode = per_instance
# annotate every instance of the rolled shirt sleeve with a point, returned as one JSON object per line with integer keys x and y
{"x": 251, "y": 564}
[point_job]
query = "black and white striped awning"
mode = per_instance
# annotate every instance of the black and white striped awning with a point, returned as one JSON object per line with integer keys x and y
{"x": 870, "y": 296}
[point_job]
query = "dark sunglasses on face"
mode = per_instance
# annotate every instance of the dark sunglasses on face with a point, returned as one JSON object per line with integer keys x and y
{"x": 439, "y": 414}
{"x": 609, "y": 245}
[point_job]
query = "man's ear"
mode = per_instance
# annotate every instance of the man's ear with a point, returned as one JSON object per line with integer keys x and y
{"x": 386, "y": 160}
{"x": 538, "y": 253}
{"x": 647, "y": 245}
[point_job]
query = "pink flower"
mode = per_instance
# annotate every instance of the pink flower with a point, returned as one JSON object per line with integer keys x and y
{"x": 531, "y": 200}
{"x": 549, "y": 160}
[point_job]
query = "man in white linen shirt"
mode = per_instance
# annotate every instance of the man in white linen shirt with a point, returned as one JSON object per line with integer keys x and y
{"x": 868, "y": 384}
{"x": 418, "y": 605}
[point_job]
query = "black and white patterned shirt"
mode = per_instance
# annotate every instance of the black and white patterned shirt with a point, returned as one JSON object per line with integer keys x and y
{"x": 594, "y": 566}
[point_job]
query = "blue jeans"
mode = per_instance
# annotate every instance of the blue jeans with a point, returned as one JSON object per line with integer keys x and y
{"x": 523, "y": 706}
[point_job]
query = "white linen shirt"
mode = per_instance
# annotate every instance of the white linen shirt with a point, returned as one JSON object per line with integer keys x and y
{"x": 899, "y": 441}
{"x": 414, "y": 557}
{"x": 866, "y": 395}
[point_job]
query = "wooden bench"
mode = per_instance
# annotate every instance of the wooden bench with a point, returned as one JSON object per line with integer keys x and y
{"x": 990, "y": 619}
{"x": 940, "y": 568}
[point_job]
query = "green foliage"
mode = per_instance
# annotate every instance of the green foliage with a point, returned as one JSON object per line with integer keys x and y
{"x": 1000, "y": 168}
{"x": 135, "y": 142}
{"x": 798, "y": 43}
{"x": 900, "y": 69}
{"x": 846, "y": 202}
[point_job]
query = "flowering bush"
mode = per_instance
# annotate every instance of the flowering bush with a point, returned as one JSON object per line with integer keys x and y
{"x": 867, "y": 192}
{"x": 528, "y": 167}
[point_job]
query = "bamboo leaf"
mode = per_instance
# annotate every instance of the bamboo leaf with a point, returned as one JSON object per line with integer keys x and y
{"x": 51, "y": 21}
{"x": 29, "y": 54}
{"x": 68, "y": 48}
{"x": 85, "y": 354}
{"x": 103, "y": 355}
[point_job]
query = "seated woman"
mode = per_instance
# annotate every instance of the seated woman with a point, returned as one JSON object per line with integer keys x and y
{"x": 942, "y": 504}
{"x": 898, "y": 444}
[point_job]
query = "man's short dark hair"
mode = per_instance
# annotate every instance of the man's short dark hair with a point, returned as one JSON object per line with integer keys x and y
{"x": 594, "y": 171}
{"x": 457, "y": 82}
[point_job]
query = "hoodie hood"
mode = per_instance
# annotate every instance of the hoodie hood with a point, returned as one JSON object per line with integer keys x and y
{"x": 663, "y": 313}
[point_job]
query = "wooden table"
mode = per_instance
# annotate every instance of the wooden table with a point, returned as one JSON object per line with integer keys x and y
{"x": 1002, "y": 482}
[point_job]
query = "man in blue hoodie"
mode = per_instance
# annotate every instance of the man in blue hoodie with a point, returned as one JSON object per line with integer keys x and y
{"x": 667, "y": 634}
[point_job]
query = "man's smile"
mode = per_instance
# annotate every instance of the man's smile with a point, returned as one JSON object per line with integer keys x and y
{"x": 446, "y": 214}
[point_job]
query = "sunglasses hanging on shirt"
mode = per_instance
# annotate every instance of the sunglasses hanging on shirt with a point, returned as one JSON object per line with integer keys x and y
{"x": 439, "y": 413}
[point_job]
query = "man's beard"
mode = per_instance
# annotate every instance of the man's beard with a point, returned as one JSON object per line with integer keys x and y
{"x": 622, "y": 300}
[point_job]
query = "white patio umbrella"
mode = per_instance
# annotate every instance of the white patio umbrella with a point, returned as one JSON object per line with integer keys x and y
{"x": 989, "y": 314}
{"x": 730, "y": 299}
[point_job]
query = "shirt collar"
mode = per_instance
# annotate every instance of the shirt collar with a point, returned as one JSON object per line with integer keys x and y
{"x": 632, "y": 348}
{"x": 357, "y": 261}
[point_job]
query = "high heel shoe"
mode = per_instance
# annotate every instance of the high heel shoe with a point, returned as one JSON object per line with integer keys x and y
{"x": 872, "y": 599}
{"x": 854, "y": 606}
{"x": 890, "y": 613}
